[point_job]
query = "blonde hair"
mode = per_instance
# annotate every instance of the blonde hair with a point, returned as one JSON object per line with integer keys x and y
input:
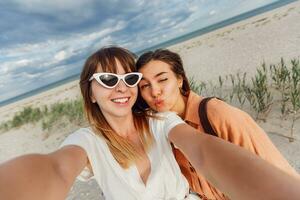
{"x": 122, "y": 150}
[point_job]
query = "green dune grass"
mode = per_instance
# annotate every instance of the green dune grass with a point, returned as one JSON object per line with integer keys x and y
{"x": 273, "y": 85}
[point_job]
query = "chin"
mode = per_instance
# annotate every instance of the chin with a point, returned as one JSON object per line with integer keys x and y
{"x": 122, "y": 112}
{"x": 162, "y": 109}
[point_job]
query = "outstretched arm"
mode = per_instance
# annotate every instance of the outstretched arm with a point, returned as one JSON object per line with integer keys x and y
{"x": 238, "y": 127}
{"x": 236, "y": 172}
{"x": 36, "y": 176}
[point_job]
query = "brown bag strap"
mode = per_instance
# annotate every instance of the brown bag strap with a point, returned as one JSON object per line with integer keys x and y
{"x": 202, "y": 111}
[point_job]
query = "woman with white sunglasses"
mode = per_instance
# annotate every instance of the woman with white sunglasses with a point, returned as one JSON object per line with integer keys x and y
{"x": 129, "y": 152}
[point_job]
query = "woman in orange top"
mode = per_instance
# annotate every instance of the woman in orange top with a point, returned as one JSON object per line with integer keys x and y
{"x": 165, "y": 87}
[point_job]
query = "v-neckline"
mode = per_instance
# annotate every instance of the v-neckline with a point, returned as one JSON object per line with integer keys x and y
{"x": 126, "y": 174}
{"x": 137, "y": 173}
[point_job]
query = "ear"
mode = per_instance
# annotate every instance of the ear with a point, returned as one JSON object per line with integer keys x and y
{"x": 179, "y": 81}
{"x": 93, "y": 99}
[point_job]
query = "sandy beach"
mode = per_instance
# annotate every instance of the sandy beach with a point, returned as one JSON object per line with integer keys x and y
{"x": 243, "y": 46}
{"x": 240, "y": 47}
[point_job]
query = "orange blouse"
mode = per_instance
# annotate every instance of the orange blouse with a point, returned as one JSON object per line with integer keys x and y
{"x": 235, "y": 126}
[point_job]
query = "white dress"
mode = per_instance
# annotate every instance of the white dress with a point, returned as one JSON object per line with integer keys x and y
{"x": 165, "y": 181}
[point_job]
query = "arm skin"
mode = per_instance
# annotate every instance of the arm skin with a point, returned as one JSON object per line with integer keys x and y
{"x": 238, "y": 127}
{"x": 238, "y": 173}
{"x": 36, "y": 176}
{"x": 235, "y": 171}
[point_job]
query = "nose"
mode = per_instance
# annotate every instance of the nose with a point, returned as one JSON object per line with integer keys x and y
{"x": 121, "y": 87}
{"x": 155, "y": 91}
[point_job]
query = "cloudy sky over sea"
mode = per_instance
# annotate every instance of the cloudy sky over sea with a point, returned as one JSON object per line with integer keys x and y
{"x": 46, "y": 41}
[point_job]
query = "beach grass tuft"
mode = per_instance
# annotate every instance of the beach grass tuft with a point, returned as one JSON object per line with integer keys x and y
{"x": 294, "y": 94}
{"x": 71, "y": 111}
{"x": 258, "y": 92}
{"x": 197, "y": 86}
{"x": 276, "y": 85}
{"x": 280, "y": 75}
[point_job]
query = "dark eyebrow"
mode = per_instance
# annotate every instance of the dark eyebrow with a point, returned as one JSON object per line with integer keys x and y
{"x": 157, "y": 75}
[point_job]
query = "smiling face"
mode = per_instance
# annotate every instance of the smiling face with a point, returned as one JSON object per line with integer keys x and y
{"x": 116, "y": 102}
{"x": 160, "y": 87}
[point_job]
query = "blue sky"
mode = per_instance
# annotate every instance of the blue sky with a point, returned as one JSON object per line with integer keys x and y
{"x": 46, "y": 41}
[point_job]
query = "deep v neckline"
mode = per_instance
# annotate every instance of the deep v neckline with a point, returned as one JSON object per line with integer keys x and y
{"x": 137, "y": 172}
{"x": 147, "y": 158}
{"x": 132, "y": 173}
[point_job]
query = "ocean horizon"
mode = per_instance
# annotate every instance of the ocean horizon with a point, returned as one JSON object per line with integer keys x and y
{"x": 173, "y": 41}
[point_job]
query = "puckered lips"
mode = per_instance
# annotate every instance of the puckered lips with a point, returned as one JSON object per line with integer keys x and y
{"x": 158, "y": 102}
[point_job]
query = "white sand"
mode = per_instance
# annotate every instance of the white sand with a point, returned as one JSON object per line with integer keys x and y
{"x": 244, "y": 45}
{"x": 239, "y": 47}
{"x": 68, "y": 91}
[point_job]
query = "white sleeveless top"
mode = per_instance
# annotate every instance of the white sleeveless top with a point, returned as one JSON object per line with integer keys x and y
{"x": 165, "y": 181}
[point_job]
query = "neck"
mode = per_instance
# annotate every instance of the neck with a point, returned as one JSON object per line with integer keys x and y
{"x": 180, "y": 106}
{"x": 123, "y": 126}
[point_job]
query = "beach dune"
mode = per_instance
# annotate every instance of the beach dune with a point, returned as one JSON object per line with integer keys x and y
{"x": 243, "y": 46}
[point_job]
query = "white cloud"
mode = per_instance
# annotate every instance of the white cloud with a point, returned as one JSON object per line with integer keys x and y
{"x": 181, "y": 30}
{"x": 60, "y": 56}
{"x": 193, "y": 8}
{"x": 62, "y": 11}
{"x": 42, "y": 6}
{"x": 26, "y": 75}
{"x": 113, "y": 27}
{"x": 107, "y": 40}
{"x": 140, "y": 2}
{"x": 4, "y": 81}
{"x": 58, "y": 72}
{"x": 22, "y": 63}
{"x": 212, "y": 12}
{"x": 165, "y": 20}
{"x": 9, "y": 66}
{"x": 24, "y": 49}
{"x": 160, "y": 21}
{"x": 49, "y": 53}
